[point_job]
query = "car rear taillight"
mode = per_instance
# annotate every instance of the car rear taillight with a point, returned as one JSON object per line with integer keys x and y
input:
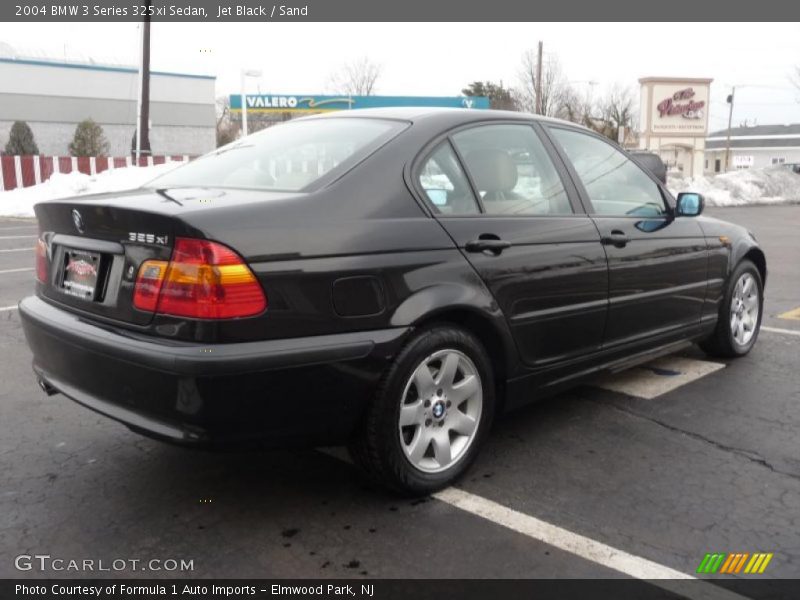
{"x": 42, "y": 264}
{"x": 202, "y": 280}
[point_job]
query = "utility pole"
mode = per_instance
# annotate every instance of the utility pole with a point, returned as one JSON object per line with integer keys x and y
{"x": 143, "y": 114}
{"x": 539, "y": 80}
{"x": 728, "y": 141}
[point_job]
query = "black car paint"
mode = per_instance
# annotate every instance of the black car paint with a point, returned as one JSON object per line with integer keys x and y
{"x": 541, "y": 306}
{"x": 657, "y": 271}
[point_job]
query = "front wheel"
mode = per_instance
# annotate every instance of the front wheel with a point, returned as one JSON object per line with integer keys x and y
{"x": 430, "y": 414}
{"x": 740, "y": 314}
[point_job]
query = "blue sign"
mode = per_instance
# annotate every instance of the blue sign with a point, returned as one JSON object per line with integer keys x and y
{"x": 280, "y": 103}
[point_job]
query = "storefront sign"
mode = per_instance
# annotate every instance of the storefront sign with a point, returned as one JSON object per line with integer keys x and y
{"x": 280, "y": 103}
{"x": 682, "y": 103}
{"x": 679, "y": 108}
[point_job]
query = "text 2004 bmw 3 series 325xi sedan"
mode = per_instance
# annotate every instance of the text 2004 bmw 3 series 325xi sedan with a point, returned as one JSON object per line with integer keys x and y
{"x": 389, "y": 279}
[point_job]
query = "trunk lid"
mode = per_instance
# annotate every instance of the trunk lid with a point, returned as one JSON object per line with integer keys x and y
{"x": 95, "y": 245}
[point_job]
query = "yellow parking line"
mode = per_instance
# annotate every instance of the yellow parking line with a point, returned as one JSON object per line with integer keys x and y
{"x": 791, "y": 314}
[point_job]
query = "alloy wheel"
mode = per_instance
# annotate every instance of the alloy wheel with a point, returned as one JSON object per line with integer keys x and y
{"x": 745, "y": 309}
{"x": 440, "y": 411}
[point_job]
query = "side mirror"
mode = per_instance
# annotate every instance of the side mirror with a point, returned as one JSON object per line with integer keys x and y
{"x": 689, "y": 204}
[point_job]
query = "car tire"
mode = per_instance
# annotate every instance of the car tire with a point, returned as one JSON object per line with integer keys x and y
{"x": 739, "y": 315}
{"x": 431, "y": 411}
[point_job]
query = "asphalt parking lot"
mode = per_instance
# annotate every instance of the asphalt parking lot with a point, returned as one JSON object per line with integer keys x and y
{"x": 710, "y": 466}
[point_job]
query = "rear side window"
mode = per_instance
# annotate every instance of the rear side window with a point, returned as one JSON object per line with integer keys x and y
{"x": 287, "y": 157}
{"x": 615, "y": 184}
{"x": 512, "y": 171}
{"x": 445, "y": 183}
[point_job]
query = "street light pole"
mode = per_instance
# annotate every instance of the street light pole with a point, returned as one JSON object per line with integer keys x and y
{"x": 244, "y": 108}
{"x": 246, "y": 73}
{"x": 539, "y": 78}
{"x": 730, "y": 120}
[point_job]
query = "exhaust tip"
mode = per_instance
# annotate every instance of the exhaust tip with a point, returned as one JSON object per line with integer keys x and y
{"x": 47, "y": 388}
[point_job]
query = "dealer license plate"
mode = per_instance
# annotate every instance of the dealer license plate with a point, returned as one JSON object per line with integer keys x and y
{"x": 80, "y": 273}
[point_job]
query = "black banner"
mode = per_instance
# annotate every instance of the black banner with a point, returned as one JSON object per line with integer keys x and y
{"x": 407, "y": 10}
{"x": 396, "y": 589}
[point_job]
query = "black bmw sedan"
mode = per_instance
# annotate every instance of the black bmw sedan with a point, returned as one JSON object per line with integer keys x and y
{"x": 390, "y": 279}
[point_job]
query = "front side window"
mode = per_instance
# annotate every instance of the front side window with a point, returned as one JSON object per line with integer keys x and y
{"x": 287, "y": 157}
{"x": 615, "y": 184}
{"x": 512, "y": 171}
{"x": 445, "y": 184}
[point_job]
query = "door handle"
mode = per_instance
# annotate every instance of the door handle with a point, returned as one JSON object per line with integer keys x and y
{"x": 616, "y": 238}
{"x": 493, "y": 245}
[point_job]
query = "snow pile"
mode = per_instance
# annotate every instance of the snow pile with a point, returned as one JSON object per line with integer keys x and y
{"x": 774, "y": 185}
{"x": 19, "y": 202}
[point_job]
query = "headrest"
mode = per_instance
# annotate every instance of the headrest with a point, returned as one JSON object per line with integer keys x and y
{"x": 493, "y": 170}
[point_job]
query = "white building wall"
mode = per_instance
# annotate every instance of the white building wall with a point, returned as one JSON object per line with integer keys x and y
{"x": 53, "y": 139}
{"x": 762, "y": 157}
{"x": 118, "y": 83}
{"x": 53, "y": 98}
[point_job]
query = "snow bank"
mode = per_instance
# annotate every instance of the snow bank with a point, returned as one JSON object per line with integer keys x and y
{"x": 19, "y": 202}
{"x": 776, "y": 185}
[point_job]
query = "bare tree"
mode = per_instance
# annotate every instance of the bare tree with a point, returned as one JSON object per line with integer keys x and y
{"x": 617, "y": 110}
{"x": 553, "y": 84}
{"x": 356, "y": 78}
{"x": 227, "y": 128}
{"x": 576, "y": 106}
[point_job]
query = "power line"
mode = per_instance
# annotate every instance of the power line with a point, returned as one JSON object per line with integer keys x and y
{"x": 767, "y": 104}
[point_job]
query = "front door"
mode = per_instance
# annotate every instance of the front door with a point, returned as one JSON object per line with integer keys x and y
{"x": 498, "y": 194}
{"x": 657, "y": 263}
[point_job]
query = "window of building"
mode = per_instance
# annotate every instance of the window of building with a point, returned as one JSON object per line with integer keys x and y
{"x": 779, "y": 160}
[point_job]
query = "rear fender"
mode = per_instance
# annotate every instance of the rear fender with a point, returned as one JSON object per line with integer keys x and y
{"x": 470, "y": 306}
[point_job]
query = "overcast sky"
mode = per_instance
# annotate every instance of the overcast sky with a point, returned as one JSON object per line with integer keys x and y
{"x": 439, "y": 59}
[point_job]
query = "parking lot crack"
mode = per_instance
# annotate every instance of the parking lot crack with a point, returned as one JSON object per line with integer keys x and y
{"x": 748, "y": 455}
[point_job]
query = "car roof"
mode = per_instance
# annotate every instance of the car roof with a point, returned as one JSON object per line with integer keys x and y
{"x": 432, "y": 114}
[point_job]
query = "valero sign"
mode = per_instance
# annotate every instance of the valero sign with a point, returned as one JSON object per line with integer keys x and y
{"x": 303, "y": 103}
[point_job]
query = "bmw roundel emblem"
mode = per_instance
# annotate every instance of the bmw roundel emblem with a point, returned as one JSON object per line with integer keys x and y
{"x": 77, "y": 219}
{"x": 438, "y": 410}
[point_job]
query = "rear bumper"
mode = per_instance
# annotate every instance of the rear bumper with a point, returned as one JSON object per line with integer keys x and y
{"x": 307, "y": 390}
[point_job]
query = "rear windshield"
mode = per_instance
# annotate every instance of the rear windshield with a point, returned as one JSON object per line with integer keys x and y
{"x": 286, "y": 157}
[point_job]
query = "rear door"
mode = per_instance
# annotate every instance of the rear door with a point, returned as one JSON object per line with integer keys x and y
{"x": 499, "y": 193}
{"x": 657, "y": 263}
